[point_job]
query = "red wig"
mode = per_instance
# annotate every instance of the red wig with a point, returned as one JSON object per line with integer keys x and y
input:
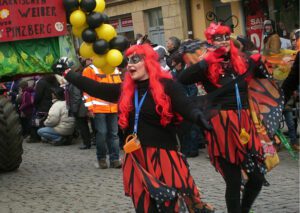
{"x": 161, "y": 99}
{"x": 238, "y": 62}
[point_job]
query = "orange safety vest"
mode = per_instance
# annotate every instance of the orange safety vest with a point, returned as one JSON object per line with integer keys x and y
{"x": 97, "y": 105}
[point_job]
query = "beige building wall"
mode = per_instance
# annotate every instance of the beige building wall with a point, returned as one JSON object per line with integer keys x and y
{"x": 236, "y": 9}
{"x": 172, "y": 11}
{"x": 199, "y": 9}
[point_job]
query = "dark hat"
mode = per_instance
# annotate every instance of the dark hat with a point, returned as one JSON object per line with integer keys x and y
{"x": 267, "y": 22}
{"x": 59, "y": 93}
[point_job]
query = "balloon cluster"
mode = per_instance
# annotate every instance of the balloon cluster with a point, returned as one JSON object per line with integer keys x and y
{"x": 101, "y": 42}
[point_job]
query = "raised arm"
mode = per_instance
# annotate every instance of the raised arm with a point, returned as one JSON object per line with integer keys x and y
{"x": 104, "y": 91}
{"x": 194, "y": 73}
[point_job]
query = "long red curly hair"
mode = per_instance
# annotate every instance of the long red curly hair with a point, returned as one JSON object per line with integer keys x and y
{"x": 161, "y": 99}
{"x": 238, "y": 62}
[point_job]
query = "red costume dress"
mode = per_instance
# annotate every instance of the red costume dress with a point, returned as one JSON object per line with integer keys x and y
{"x": 156, "y": 176}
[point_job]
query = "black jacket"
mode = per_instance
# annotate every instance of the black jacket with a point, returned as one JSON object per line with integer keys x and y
{"x": 292, "y": 81}
{"x": 43, "y": 97}
{"x": 76, "y": 104}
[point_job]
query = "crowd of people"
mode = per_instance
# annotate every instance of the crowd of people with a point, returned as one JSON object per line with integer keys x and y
{"x": 166, "y": 106}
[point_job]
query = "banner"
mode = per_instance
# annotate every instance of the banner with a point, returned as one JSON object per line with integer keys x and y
{"x": 67, "y": 49}
{"x": 255, "y": 29}
{"x": 28, "y": 19}
{"x": 28, "y": 57}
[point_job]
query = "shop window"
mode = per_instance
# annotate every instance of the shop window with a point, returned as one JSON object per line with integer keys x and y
{"x": 155, "y": 17}
{"x": 155, "y": 26}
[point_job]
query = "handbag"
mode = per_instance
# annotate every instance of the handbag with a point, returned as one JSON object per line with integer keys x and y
{"x": 271, "y": 156}
{"x": 132, "y": 143}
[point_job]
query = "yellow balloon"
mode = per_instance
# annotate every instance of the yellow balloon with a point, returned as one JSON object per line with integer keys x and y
{"x": 99, "y": 61}
{"x": 106, "y": 32}
{"x": 107, "y": 69}
{"x": 77, "y": 31}
{"x": 86, "y": 50}
{"x": 114, "y": 57}
{"x": 78, "y": 18}
{"x": 100, "y": 6}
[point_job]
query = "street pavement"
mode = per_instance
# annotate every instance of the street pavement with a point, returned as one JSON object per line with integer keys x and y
{"x": 64, "y": 179}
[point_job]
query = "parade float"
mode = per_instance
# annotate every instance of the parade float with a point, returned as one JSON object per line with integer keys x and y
{"x": 35, "y": 34}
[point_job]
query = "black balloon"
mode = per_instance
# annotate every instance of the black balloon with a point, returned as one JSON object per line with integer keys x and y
{"x": 105, "y": 18}
{"x": 100, "y": 47}
{"x": 119, "y": 43}
{"x": 89, "y": 35}
{"x": 94, "y": 20}
{"x": 71, "y": 5}
{"x": 123, "y": 64}
{"x": 87, "y": 5}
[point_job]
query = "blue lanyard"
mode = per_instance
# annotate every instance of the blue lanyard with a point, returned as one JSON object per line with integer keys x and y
{"x": 238, "y": 100}
{"x": 138, "y": 106}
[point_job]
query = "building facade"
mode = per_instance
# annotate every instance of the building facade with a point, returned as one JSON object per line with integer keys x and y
{"x": 184, "y": 19}
{"x": 159, "y": 19}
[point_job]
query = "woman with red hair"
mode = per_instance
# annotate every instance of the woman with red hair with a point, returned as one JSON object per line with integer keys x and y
{"x": 233, "y": 144}
{"x": 156, "y": 176}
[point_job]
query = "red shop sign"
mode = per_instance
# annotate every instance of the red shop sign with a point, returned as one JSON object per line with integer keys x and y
{"x": 126, "y": 22}
{"x": 114, "y": 23}
{"x": 28, "y": 19}
{"x": 255, "y": 29}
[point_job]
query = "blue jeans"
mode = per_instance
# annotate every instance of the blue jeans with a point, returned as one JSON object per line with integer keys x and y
{"x": 106, "y": 126}
{"x": 49, "y": 134}
{"x": 290, "y": 122}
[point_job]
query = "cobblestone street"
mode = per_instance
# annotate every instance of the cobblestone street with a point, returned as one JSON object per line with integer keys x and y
{"x": 63, "y": 179}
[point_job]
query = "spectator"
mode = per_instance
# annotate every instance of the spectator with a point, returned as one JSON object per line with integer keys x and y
{"x": 162, "y": 53}
{"x": 172, "y": 45}
{"x": 282, "y": 31}
{"x": 59, "y": 126}
{"x": 138, "y": 38}
{"x": 271, "y": 40}
{"x": 293, "y": 39}
{"x": 291, "y": 86}
{"x": 26, "y": 107}
{"x": 42, "y": 103}
{"x": 188, "y": 132}
{"x": 80, "y": 112}
{"x": 105, "y": 120}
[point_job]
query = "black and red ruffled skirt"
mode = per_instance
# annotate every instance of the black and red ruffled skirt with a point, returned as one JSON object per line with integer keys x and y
{"x": 159, "y": 180}
{"x": 223, "y": 141}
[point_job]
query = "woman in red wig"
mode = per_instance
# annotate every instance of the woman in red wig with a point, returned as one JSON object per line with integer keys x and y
{"x": 156, "y": 176}
{"x": 233, "y": 144}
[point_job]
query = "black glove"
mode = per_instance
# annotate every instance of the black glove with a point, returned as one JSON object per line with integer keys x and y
{"x": 202, "y": 122}
{"x": 61, "y": 65}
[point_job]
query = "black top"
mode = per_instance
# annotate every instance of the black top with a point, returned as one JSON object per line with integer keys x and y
{"x": 227, "y": 100}
{"x": 150, "y": 132}
{"x": 43, "y": 97}
{"x": 291, "y": 83}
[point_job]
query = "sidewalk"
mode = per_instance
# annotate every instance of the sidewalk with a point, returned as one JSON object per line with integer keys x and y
{"x": 63, "y": 179}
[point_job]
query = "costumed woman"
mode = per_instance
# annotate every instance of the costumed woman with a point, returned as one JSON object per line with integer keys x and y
{"x": 233, "y": 144}
{"x": 156, "y": 176}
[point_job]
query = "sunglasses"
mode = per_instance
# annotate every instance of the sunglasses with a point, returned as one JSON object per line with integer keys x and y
{"x": 221, "y": 38}
{"x": 135, "y": 59}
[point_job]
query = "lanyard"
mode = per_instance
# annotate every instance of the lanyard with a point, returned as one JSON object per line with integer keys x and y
{"x": 138, "y": 106}
{"x": 238, "y": 100}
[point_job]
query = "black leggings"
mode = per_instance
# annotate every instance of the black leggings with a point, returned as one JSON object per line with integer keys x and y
{"x": 232, "y": 177}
